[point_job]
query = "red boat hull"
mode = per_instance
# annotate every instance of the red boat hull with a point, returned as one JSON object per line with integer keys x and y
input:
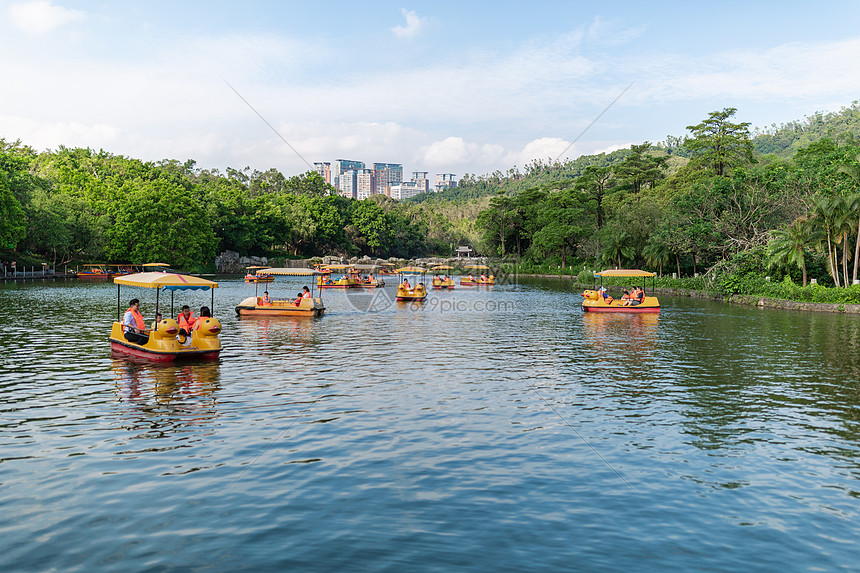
{"x": 137, "y": 351}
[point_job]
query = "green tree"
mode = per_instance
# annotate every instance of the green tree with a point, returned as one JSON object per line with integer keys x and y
{"x": 161, "y": 221}
{"x": 718, "y": 144}
{"x": 852, "y": 169}
{"x": 826, "y": 214}
{"x": 369, "y": 229}
{"x": 788, "y": 246}
{"x": 596, "y": 181}
{"x": 640, "y": 169}
{"x": 561, "y": 224}
{"x": 12, "y": 224}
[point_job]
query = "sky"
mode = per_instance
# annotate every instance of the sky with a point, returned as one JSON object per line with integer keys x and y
{"x": 443, "y": 87}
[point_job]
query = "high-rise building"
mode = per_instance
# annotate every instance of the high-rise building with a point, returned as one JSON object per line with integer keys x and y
{"x": 342, "y": 165}
{"x": 387, "y": 174}
{"x": 409, "y": 189}
{"x": 324, "y": 169}
{"x": 445, "y": 181}
{"x": 419, "y": 178}
{"x": 347, "y": 183}
{"x": 365, "y": 183}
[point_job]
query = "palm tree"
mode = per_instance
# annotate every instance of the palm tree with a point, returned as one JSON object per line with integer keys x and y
{"x": 823, "y": 210}
{"x": 616, "y": 248}
{"x": 843, "y": 225}
{"x": 853, "y": 171}
{"x": 788, "y": 246}
{"x": 657, "y": 251}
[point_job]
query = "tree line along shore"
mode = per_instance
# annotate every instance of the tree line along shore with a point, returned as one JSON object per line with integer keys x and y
{"x": 723, "y": 208}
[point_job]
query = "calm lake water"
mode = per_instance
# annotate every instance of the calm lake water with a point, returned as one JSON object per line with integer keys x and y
{"x": 487, "y": 430}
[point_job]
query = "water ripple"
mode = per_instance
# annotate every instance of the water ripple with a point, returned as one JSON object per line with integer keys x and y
{"x": 485, "y": 429}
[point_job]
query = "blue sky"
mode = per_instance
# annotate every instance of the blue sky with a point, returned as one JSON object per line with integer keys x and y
{"x": 443, "y": 87}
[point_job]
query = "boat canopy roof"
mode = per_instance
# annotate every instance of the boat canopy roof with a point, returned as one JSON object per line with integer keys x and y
{"x": 411, "y": 270}
{"x": 155, "y": 265}
{"x": 480, "y": 267}
{"x": 366, "y": 267}
{"x": 292, "y": 272}
{"x": 442, "y": 268}
{"x": 256, "y": 267}
{"x": 623, "y": 273}
{"x": 166, "y": 281}
{"x": 337, "y": 267}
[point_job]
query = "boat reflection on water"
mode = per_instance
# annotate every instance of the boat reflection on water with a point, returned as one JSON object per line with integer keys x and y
{"x": 268, "y": 333}
{"x": 164, "y": 396}
{"x": 622, "y": 338}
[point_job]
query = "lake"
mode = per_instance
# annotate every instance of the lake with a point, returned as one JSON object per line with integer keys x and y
{"x": 486, "y": 430}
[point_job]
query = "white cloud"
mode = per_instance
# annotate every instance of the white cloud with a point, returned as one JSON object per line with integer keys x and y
{"x": 47, "y": 134}
{"x": 546, "y": 149}
{"x": 508, "y": 105}
{"x": 455, "y": 153}
{"x": 413, "y": 27}
{"x": 40, "y": 17}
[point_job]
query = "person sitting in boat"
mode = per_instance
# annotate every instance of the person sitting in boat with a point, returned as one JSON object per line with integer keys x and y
{"x": 298, "y": 300}
{"x": 186, "y": 321}
{"x": 369, "y": 278}
{"x": 157, "y": 320}
{"x": 265, "y": 300}
{"x": 306, "y": 292}
{"x": 133, "y": 325}
{"x": 406, "y": 284}
{"x": 626, "y": 298}
{"x": 483, "y": 277}
{"x": 471, "y": 278}
{"x": 204, "y": 314}
{"x": 606, "y": 297}
{"x": 638, "y": 296}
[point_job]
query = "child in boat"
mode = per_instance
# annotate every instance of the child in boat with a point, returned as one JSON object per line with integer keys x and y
{"x": 298, "y": 300}
{"x": 626, "y": 298}
{"x": 265, "y": 300}
{"x": 186, "y": 321}
{"x": 157, "y": 320}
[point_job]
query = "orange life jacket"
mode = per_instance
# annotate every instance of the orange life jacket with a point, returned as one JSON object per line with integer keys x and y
{"x": 138, "y": 319}
{"x": 188, "y": 325}
{"x": 199, "y": 322}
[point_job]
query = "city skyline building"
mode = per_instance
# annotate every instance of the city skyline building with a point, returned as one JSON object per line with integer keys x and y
{"x": 353, "y": 179}
{"x": 324, "y": 169}
{"x": 341, "y": 166}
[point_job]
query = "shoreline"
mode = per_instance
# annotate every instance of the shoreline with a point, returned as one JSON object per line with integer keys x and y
{"x": 753, "y": 300}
